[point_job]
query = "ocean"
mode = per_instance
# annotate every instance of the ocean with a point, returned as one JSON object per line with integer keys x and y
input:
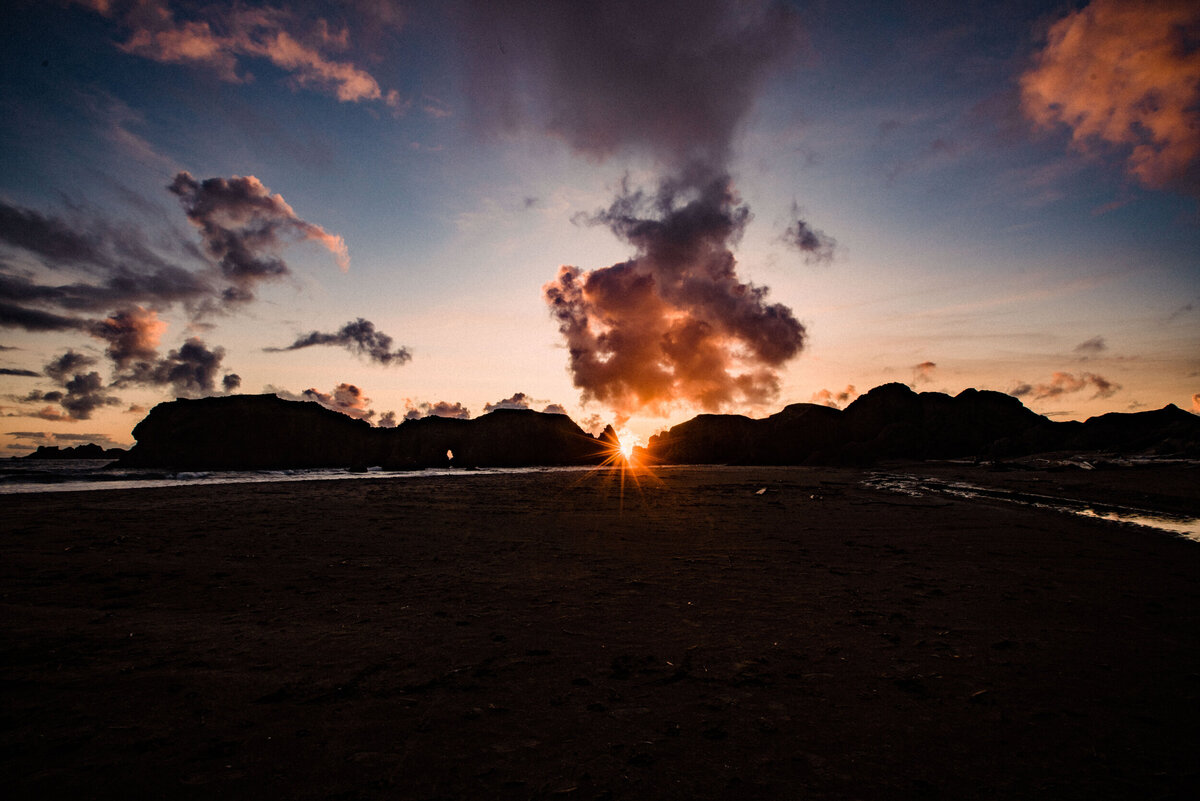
{"x": 76, "y": 475}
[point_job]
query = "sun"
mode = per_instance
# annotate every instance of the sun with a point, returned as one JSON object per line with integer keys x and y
{"x": 626, "y": 449}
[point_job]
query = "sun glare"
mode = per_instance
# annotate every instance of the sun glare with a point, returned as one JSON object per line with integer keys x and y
{"x": 626, "y": 449}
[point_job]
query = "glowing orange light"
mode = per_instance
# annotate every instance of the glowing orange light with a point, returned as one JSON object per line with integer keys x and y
{"x": 626, "y": 449}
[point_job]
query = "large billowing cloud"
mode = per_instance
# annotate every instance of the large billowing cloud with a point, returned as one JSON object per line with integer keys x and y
{"x": 359, "y": 337}
{"x": 220, "y": 37}
{"x": 1126, "y": 75}
{"x": 243, "y": 226}
{"x": 1061, "y": 383}
{"x": 674, "y": 325}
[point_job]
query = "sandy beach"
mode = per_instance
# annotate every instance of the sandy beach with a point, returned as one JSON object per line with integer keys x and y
{"x": 694, "y": 633}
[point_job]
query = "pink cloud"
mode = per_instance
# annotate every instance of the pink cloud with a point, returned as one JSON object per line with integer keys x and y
{"x": 1121, "y": 74}
{"x": 228, "y": 35}
{"x": 834, "y": 400}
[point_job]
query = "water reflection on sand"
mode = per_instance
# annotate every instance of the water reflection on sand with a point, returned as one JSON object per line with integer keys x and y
{"x": 919, "y": 486}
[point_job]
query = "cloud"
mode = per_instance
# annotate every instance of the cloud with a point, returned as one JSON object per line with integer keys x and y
{"x": 415, "y": 411}
{"x": 190, "y": 371}
{"x": 132, "y": 334}
{"x": 387, "y": 420}
{"x": 67, "y": 364}
{"x": 230, "y": 382}
{"x": 674, "y": 324}
{"x": 359, "y": 337}
{"x": 834, "y": 400}
{"x": 519, "y": 400}
{"x": 554, "y": 408}
{"x": 813, "y": 245}
{"x": 1196, "y": 403}
{"x": 345, "y": 398}
{"x": 224, "y": 36}
{"x": 1065, "y": 383}
{"x": 18, "y": 372}
{"x": 923, "y": 372}
{"x": 13, "y": 316}
{"x": 81, "y": 394}
{"x": 243, "y": 226}
{"x": 1124, "y": 75}
{"x": 672, "y": 79}
{"x": 1092, "y": 347}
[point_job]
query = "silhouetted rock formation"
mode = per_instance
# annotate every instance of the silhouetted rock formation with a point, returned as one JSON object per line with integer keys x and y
{"x": 250, "y": 432}
{"x": 257, "y": 432}
{"x": 894, "y": 422}
{"x": 89, "y": 451}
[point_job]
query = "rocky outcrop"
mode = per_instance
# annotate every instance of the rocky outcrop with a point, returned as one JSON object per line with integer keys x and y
{"x": 894, "y": 422}
{"x": 258, "y": 432}
{"x": 249, "y": 432}
{"x": 88, "y": 451}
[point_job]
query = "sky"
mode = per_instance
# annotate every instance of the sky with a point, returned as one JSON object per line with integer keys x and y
{"x": 628, "y": 212}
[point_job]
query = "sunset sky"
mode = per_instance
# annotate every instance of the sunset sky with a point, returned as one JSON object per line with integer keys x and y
{"x": 631, "y": 212}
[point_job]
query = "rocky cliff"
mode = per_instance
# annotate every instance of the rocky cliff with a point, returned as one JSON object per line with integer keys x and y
{"x": 889, "y": 422}
{"x": 893, "y": 421}
{"x": 255, "y": 432}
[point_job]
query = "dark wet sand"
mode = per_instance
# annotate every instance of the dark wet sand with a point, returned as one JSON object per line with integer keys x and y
{"x": 538, "y": 636}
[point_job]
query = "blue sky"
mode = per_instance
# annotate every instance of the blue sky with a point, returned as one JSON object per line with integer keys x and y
{"x": 976, "y": 216}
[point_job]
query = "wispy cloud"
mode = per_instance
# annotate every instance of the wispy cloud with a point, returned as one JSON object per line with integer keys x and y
{"x": 221, "y": 38}
{"x": 359, "y": 337}
{"x": 1061, "y": 383}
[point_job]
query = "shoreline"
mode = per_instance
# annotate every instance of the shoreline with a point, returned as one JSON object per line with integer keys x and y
{"x": 545, "y": 635}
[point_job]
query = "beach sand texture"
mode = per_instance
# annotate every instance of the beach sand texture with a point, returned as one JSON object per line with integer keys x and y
{"x": 550, "y": 635}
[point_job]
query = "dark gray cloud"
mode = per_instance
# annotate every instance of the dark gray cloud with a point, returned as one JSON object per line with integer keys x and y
{"x": 415, "y": 411}
{"x": 518, "y": 400}
{"x": 231, "y": 382}
{"x": 1092, "y": 347}
{"x": 815, "y": 246}
{"x": 359, "y": 337}
{"x": 190, "y": 371}
{"x": 36, "y": 320}
{"x": 67, "y": 364}
{"x": 18, "y": 372}
{"x": 672, "y": 78}
{"x": 243, "y": 227}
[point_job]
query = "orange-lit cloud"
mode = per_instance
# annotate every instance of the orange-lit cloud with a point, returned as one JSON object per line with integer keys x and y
{"x": 834, "y": 400}
{"x": 1196, "y": 403}
{"x": 131, "y": 334}
{"x": 674, "y": 325}
{"x": 1065, "y": 383}
{"x": 1125, "y": 75}
{"x": 345, "y": 398}
{"x": 224, "y": 36}
{"x": 923, "y": 372}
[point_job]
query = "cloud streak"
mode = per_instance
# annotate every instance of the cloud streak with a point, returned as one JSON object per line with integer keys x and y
{"x": 221, "y": 38}
{"x": 360, "y": 337}
{"x": 1061, "y": 383}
